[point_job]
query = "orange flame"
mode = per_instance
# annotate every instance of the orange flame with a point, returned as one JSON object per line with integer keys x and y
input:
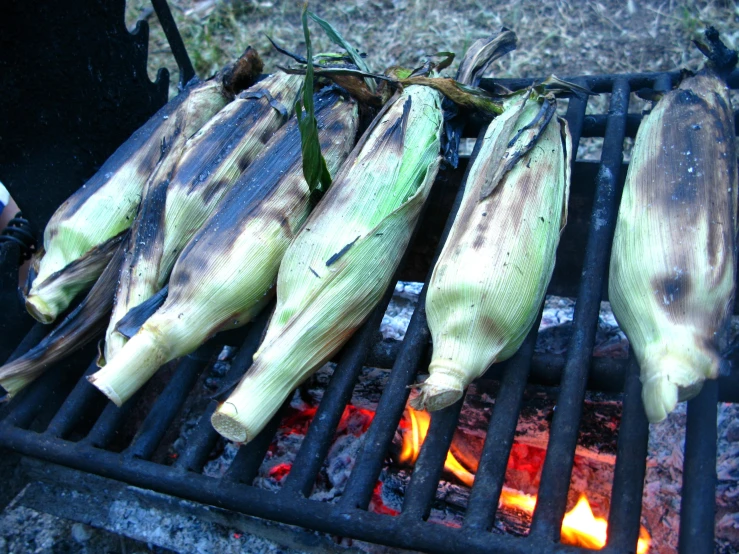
{"x": 580, "y": 527}
{"x": 413, "y": 439}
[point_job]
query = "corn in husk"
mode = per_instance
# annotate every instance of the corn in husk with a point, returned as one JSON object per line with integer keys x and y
{"x": 80, "y": 327}
{"x": 338, "y": 267}
{"x": 83, "y": 233}
{"x": 673, "y": 260}
{"x": 178, "y": 204}
{"x": 226, "y": 273}
{"x": 340, "y": 264}
{"x": 493, "y": 272}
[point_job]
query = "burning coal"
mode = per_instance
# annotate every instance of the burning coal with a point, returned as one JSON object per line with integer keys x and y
{"x": 580, "y": 527}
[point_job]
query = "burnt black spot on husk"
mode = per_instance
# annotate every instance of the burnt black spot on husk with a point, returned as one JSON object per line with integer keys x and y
{"x": 130, "y": 323}
{"x": 673, "y": 289}
{"x": 183, "y": 278}
{"x": 685, "y": 97}
{"x": 215, "y": 189}
{"x": 281, "y": 159}
{"x": 336, "y": 127}
{"x": 150, "y": 225}
{"x": 216, "y": 148}
{"x": 333, "y": 259}
{"x": 394, "y": 136}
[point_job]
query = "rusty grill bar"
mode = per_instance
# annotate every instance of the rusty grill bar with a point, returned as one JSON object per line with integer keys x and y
{"x": 39, "y": 422}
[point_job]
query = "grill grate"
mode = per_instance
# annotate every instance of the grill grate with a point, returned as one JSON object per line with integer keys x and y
{"x": 409, "y": 530}
{"x": 24, "y": 428}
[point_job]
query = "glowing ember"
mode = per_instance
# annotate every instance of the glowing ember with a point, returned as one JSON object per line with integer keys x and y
{"x": 279, "y": 471}
{"x": 377, "y": 505}
{"x": 514, "y": 499}
{"x": 355, "y": 421}
{"x": 580, "y": 527}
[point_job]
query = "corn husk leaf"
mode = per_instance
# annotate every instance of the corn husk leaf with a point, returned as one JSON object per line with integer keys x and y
{"x": 56, "y": 292}
{"x": 105, "y": 206}
{"x": 493, "y": 272}
{"x": 672, "y": 273}
{"x": 314, "y": 166}
{"x": 80, "y": 327}
{"x": 338, "y": 267}
{"x": 226, "y": 273}
{"x": 482, "y": 54}
{"x": 182, "y": 196}
{"x": 336, "y": 37}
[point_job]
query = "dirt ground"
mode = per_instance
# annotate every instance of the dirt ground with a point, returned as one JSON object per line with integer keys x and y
{"x": 565, "y": 37}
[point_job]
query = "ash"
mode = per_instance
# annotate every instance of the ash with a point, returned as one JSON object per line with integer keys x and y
{"x": 554, "y": 332}
{"x": 399, "y": 311}
{"x": 23, "y": 529}
{"x": 661, "y": 500}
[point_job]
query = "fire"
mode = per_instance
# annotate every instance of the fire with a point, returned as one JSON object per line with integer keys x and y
{"x": 580, "y": 527}
{"x": 413, "y": 439}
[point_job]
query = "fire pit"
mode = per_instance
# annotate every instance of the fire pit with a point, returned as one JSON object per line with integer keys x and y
{"x": 347, "y": 457}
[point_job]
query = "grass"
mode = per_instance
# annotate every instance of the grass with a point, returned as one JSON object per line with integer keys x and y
{"x": 565, "y": 37}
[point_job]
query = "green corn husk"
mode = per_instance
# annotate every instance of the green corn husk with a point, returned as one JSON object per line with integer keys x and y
{"x": 338, "y": 267}
{"x": 673, "y": 263}
{"x": 493, "y": 272}
{"x": 226, "y": 273}
{"x": 80, "y": 327}
{"x": 76, "y": 245}
{"x": 340, "y": 264}
{"x": 177, "y": 205}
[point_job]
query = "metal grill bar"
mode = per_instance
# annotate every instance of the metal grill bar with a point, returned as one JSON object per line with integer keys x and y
{"x": 317, "y": 440}
{"x": 602, "y": 83}
{"x": 168, "y": 403}
{"x": 204, "y": 437}
{"x": 389, "y": 411}
{"x": 77, "y": 403}
{"x": 246, "y": 464}
{"x": 32, "y": 338}
{"x": 427, "y": 470}
{"x": 552, "y": 499}
{"x": 174, "y": 39}
{"x": 109, "y": 422}
{"x": 490, "y": 475}
{"x": 261, "y": 503}
{"x": 200, "y": 443}
{"x": 29, "y": 403}
{"x": 576, "y": 108}
{"x": 624, "y": 516}
{"x": 698, "y": 505}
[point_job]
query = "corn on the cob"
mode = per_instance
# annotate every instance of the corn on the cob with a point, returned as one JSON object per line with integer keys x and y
{"x": 76, "y": 238}
{"x": 495, "y": 267}
{"x": 226, "y": 273}
{"x": 339, "y": 265}
{"x": 175, "y": 207}
{"x": 77, "y": 329}
{"x": 673, "y": 260}
{"x": 336, "y": 270}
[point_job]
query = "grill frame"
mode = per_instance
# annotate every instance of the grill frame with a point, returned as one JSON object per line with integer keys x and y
{"x": 349, "y": 517}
